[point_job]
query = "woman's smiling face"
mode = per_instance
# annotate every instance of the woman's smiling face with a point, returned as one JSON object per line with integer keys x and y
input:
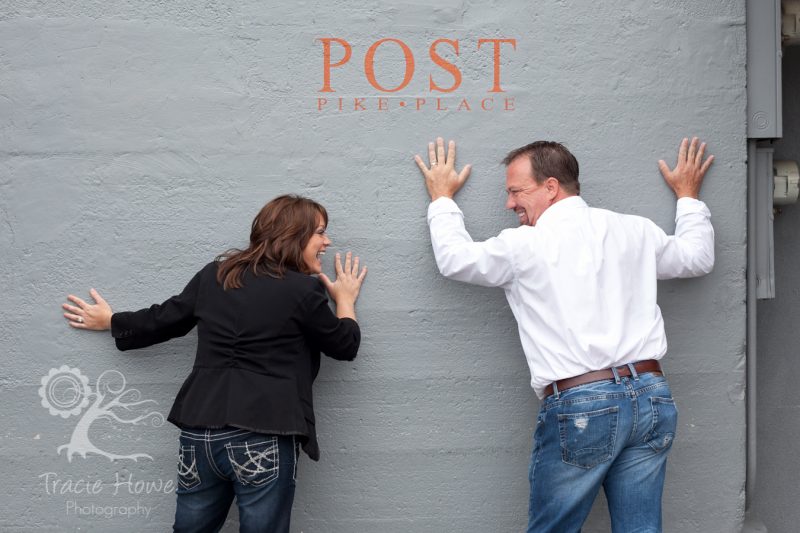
{"x": 315, "y": 248}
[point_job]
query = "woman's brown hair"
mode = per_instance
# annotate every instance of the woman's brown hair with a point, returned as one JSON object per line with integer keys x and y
{"x": 280, "y": 232}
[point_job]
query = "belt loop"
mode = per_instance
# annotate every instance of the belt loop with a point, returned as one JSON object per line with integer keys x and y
{"x": 556, "y": 394}
{"x": 616, "y": 375}
{"x": 634, "y": 374}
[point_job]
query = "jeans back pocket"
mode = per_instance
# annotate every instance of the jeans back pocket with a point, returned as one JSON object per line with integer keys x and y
{"x": 665, "y": 421}
{"x": 588, "y": 438}
{"x": 188, "y": 474}
{"x": 254, "y": 462}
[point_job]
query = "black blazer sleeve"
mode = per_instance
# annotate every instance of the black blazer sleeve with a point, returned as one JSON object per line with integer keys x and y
{"x": 338, "y": 338}
{"x": 158, "y": 323}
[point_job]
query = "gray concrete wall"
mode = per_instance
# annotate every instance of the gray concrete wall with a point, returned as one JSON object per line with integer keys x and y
{"x": 778, "y": 423}
{"x": 138, "y": 139}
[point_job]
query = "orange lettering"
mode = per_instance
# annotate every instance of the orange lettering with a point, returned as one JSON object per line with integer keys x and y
{"x": 491, "y": 104}
{"x": 509, "y": 104}
{"x": 321, "y": 102}
{"x": 326, "y": 61}
{"x": 463, "y": 105}
{"x": 420, "y": 103}
{"x": 358, "y": 104}
{"x": 369, "y": 65}
{"x": 497, "y": 42}
{"x": 446, "y": 65}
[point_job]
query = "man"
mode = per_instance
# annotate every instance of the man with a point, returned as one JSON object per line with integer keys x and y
{"x": 581, "y": 283}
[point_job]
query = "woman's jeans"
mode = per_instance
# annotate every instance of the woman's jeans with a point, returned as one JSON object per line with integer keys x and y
{"x": 214, "y": 465}
{"x": 614, "y": 433}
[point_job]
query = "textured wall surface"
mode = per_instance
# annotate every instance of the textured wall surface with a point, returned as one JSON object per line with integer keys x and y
{"x": 139, "y": 138}
{"x": 778, "y": 336}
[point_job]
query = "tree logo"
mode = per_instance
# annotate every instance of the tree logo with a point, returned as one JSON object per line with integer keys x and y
{"x": 66, "y": 392}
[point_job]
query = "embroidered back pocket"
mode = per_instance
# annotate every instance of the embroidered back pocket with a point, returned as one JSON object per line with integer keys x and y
{"x": 188, "y": 476}
{"x": 254, "y": 462}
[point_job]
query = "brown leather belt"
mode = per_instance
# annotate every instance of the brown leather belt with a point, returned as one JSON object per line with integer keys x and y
{"x": 648, "y": 365}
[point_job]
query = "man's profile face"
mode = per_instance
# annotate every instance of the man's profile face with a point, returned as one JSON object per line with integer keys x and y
{"x": 527, "y": 198}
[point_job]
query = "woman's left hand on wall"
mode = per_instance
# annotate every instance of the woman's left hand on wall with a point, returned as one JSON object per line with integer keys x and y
{"x": 84, "y": 315}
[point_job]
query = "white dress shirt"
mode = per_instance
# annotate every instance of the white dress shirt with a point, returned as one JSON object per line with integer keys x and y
{"x": 582, "y": 282}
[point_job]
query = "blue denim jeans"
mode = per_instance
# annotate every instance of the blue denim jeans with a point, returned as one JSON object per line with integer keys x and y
{"x": 615, "y": 434}
{"x": 214, "y": 465}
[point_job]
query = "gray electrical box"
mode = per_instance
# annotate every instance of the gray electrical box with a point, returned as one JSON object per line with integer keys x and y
{"x": 764, "y": 98}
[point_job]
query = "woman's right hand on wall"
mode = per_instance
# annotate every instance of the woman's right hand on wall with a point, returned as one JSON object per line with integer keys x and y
{"x": 84, "y": 315}
{"x": 345, "y": 289}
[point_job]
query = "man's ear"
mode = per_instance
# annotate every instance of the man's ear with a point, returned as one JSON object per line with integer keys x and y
{"x": 552, "y": 186}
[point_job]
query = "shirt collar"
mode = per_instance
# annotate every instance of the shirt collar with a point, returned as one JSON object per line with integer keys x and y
{"x": 562, "y": 208}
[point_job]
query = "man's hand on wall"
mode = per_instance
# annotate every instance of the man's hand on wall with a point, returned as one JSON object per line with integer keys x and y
{"x": 687, "y": 176}
{"x": 441, "y": 178}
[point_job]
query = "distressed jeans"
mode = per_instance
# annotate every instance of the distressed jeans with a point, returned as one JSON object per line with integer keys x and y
{"x": 615, "y": 434}
{"x": 214, "y": 465}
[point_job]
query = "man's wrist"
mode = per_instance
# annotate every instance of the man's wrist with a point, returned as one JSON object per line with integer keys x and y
{"x": 436, "y": 196}
{"x": 686, "y": 192}
{"x": 680, "y": 195}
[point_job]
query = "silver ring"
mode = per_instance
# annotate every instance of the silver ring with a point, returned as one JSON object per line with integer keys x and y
{"x": 80, "y": 320}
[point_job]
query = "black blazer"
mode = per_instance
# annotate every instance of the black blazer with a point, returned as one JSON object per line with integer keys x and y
{"x": 258, "y": 350}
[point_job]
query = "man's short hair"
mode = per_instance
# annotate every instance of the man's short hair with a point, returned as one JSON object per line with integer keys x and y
{"x": 550, "y": 159}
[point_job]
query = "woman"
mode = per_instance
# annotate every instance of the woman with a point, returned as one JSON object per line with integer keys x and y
{"x": 262, "y": 320}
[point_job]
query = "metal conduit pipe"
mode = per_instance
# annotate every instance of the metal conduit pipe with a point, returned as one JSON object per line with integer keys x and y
{"x": 751, "y": 523}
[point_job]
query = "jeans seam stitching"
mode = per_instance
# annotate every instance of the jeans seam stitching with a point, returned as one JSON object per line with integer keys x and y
{"x": 211, "y": 461}
{"x": 206, "y": 435}
{"x": 295, "y": 455}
